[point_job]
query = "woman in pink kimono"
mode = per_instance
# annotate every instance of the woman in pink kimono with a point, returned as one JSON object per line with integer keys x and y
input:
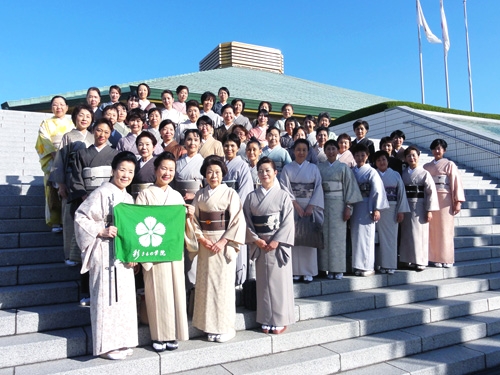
{"x": 450, "y": 195}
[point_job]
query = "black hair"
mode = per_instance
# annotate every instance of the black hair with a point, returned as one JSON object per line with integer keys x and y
{"x": 100, "y": 121}
{"x": 321, "y": 129}
{"x": 79, "y": 108}
{"x": 344, "y": 136}
{"x": 286, "y": 105}
{"x": 268, "y": 104}
{"x": 147, "y": 86}
{"x": 379, "y": 154}
{"x": 360, "y": 148}
{"x": 360, "y": 122}
{"x": 263, "y": 112}
{"x": 167, "y": 92}
{"x": 296, "y": 130}
{"x": 180, "y": 88}
{"x": 192, "y": 103}
{"x": 398, "y": 133}
{"x": 194, "y": 131}
{"x": 254, "y": 140}
{"x": 165, "y": 123}
{"x": 57, "y": 97}
{"x": 109, "y": 108}
{"x": 136, "y": 113}
{"x": 412, "y": 148}
{"x": 231, "y": 137}
{"x": 154, "y": 109}
{"x": 213, "y": 160}
{"x": 206, "y": 95}
{"x": 116, "y": 87}
{"x": 94, "y": 89}
{"x": 383, "y": 141}
{"x": 435, "y": 143}
{"x": 271, "y": 128}
{"x": 121, "y": 157}
{"x": 331, "y": 142}
{"x": 266, "y": 160}
{"x": 205, "y": 119}
{"x": 224, "y": 89}
{"x": 165, "y": 155}
{"x": 234, "y": 101}
{"x": 303, "y": 141}
{"x": 224, "y": 107}
{"x": 146, "y": 134}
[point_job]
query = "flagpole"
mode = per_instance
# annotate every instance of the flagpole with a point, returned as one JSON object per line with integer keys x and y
{"x": 422, "y": 90}
{"x": 468, "y": 58}
{"x": 444, "y": 29}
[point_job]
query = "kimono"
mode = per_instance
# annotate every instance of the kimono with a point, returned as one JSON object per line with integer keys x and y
{"x": 50, "y": 135}
{"x": 320, "y": 153}
{"x": 400, "y": 154}
{"x": 121, "y": 128}
{"x": 286, "y": 141}
{"x": 181, "y": 128}
{"x": 362, "y": 225}
{"x": 211, "y": 146}
{"x": 387, "y": 227}
{"x": 128, "y": 144}
{"x": 156, "y": 133}
{"x": 279, "y": 155}
{"x": 216, "y": 119}
{"x": 113, "y": 310}
{"x": 449, "y": 191}
{"x": 366, "y": 142}
{"x": 255, "y": 176}
{"x": 222, "y": 130}
{"x": 215, "y": 298}
{"x": 144, "y": 174}
{"x": 340, "y": 189}
{"x": 71, "y": 142}
{"x": 303, "y": 184}
{"x": 164, "y": 282}
{"x": 244, "y": 121}
{"x": 181, "y": 107}
{"x": 176, "y": 149}
{"x": 259, "y": 133}
{"x": 269, "y": 216}
{"x": 172, "y": 114}
{"x": 238, "y": 175}
{"x": 347, "y": 158}
{"x": 422, "y": 197}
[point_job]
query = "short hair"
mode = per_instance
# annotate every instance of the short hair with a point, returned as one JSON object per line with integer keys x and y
{"x": 266, "y": 160}
{"x": 296, "y": 130}
{"x": 383, "y": 141}
{"x": 292, "y": 119}
{"x": 326, "y": 115}
{"x": 206, "y": 95}
{"x": 286, "y": 105}
{"x": 231, "y": 137}
{"x": 435, "y": 143}
{"x": 213, "y": 160}
{"x": 254, "y": 140}
{"x": 136, "y": 113}
{"x": 206, "y": 119}
{"x": 194, "y": 131}
{"x": 146, "y": 85}
{"x": 93, "y": 88}
{"x": 344, "y": 136}
{"x": 311, "y": 118}
{"x": 165, "y": 155}
{"x": 146, "y": 134}
{"x": 268, "y": 104}
{"x": 398, "y": 133}
{"x": 116, "y": 87}
{"x": 234, "y": 101}
{"x": 331, "y": 142}
{"x": 379, "y": 154}
{"x": 241, "y": 127}
{"x": 224, "y": 107}
{"x": 120, "y": 104}
{"x": 321, "y": 129}
{"x": 78, "y": 109}
{"x": 154, "y": 109}
{"x": 133, "y": 96}
{"x": 167, "y": 92}
{"x": 58, "y": 97}
{"x": 224, "y": 89}
{"x": 271, "y": 128}
{"x": 109, "y": 108}
{"x": 121, "y": 157}
{"x": 263, "y": 112}
{"x": 302, "y": 141}
{"x": 358, "y": 123}
{"x": 360, "y": 148}
{"x": 180, "y": 88}
{"x": 412, "y": 148}
{"x": 192, "y": 103}
{"x": 102, "y": 120}
{"x": 165, "y": 123}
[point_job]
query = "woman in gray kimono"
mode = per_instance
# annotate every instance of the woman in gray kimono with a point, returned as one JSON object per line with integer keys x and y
{"x": 270, "y": 233}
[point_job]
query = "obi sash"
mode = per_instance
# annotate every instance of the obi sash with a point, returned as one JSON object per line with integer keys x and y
{"x": 302, "y": 190}
{"x": 266, "y": 223}
{"x": 332, "y": 189}
{"x": 217, "y": 220}
{"x": 442, "y": 181}
{"x": 392, "y": 193}
{"x": 96, "y": 176}
{"x": 365, "y": 189}
{"x": 414, "y": 191}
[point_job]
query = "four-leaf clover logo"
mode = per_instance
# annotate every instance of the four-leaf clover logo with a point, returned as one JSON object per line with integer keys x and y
{"x": 150, "y": 232}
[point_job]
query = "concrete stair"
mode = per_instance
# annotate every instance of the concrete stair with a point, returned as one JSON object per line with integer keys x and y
{"x": 436, "y": 321}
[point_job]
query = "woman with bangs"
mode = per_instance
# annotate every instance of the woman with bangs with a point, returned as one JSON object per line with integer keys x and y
{"x": 167, "y": 131}
{"x": 345, "y": 155}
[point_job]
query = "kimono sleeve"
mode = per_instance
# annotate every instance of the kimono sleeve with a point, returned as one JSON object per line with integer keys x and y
{"x": 236, "y": 228}
{"x": 352, "y": 194}
{"x": 402, "y": 203}
{"x": 456, "y": 186}
{"x": 431, "y": 199}
{"x": 378, "y": 198}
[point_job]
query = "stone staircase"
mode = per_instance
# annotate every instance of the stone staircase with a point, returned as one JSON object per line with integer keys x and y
{"x": 436, "y": 321}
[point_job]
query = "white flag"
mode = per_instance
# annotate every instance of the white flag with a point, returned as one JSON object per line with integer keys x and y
{"x": 422, "y": 22}
{"x": 444, "y": 28}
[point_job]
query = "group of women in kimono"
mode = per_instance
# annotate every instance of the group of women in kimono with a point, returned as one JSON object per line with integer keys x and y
{"x": 242, "y": 217}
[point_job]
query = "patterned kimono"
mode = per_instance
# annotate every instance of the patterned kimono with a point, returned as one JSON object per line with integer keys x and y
{"x": 49, "y": 137}
{"x": 215, "y": 298}
{"x": 387, "y": 226}
{"x": 340, "y": 188}
{"x": 303, "y": 183}
{"x": 164, "y": 282}
{"x": 449, "y": 191}
{"x": 269, "y": 216}
{"x": 113, "y": 310}
{"x": 362, "y": 225}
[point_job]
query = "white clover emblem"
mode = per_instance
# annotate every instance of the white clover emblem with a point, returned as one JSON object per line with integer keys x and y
{"x": 150, "y": 232}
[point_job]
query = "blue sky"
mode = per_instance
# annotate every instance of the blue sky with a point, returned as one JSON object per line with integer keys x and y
{"x": 366, "y": 45}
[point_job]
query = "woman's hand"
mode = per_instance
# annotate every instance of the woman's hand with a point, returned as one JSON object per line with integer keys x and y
{"x": 273, "y": 245}
{"x": 429, "y": 216}
{"x": 297, "y": 208}
{"x": 109, "y": 232}
{"x": 347, "y": 213}
{"x": 188, "y": 197}
{"x": 309, "y": 210}
{"x": 261, "y": 244}
{"x": 376, "y": 215}
{"x": 189, "y": 211}
{"x": 131, "y": 265}
{"x": 63, "y": 191}
{"x": 400, "y": 217}
{"x": 457, "y": 207}
{"x": 219, "y": 246}
{"x": 205, "y": 242}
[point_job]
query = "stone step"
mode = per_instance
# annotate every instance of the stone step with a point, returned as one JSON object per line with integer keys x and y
{"x": 475, "y": 212}
{"x": 38, "y": 294}
{"x": 21, "y": 189}
{"x": 472, "y": 241}
{"x": 464, "y": 221}
{"x": 38, "y": 273}
{"x": 477, "y": 229}
{"x": 23, "y": 226}
{"x": 22, "y": 212}
{"x": 474, "y": 253}
{"x": 32, "y": 239}
{"x": 23, "y": 200}
{"x": 32, "y": 255}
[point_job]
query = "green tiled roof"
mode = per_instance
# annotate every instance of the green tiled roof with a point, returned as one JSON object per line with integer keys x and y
{"x": 307, "y": 97}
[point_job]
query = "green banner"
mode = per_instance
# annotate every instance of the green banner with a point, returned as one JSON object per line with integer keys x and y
{"x": 149, "y": 233}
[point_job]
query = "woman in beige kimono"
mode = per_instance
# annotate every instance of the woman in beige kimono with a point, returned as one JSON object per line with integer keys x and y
{"x": 220, "y": 228}
{"x": 209, "y": 145}
{"x": 450, "y": 194}
{"x": 164, "y": 282}
{"x": 113, "y": 310}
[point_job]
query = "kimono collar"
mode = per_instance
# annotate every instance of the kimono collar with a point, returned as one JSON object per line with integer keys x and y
{"x": 265, "y": 192}
{"x": 99, "y": 148}
{"x": 410, "y": 171}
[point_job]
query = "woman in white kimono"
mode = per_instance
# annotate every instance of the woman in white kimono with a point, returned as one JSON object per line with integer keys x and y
{"x": 450, "y": 193}
{"x": 113, "y": 310}
{"x": 302, "y": 181}
{"x": 422, "y": 199}
{"x": 341, "y": 192}
{"x": 164, "y": 281}
{"x": 270, "y": 233}
{"x": 219, "y": 226}
{"x": 366, "y": 213}
{"x": 386, "y": 257}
